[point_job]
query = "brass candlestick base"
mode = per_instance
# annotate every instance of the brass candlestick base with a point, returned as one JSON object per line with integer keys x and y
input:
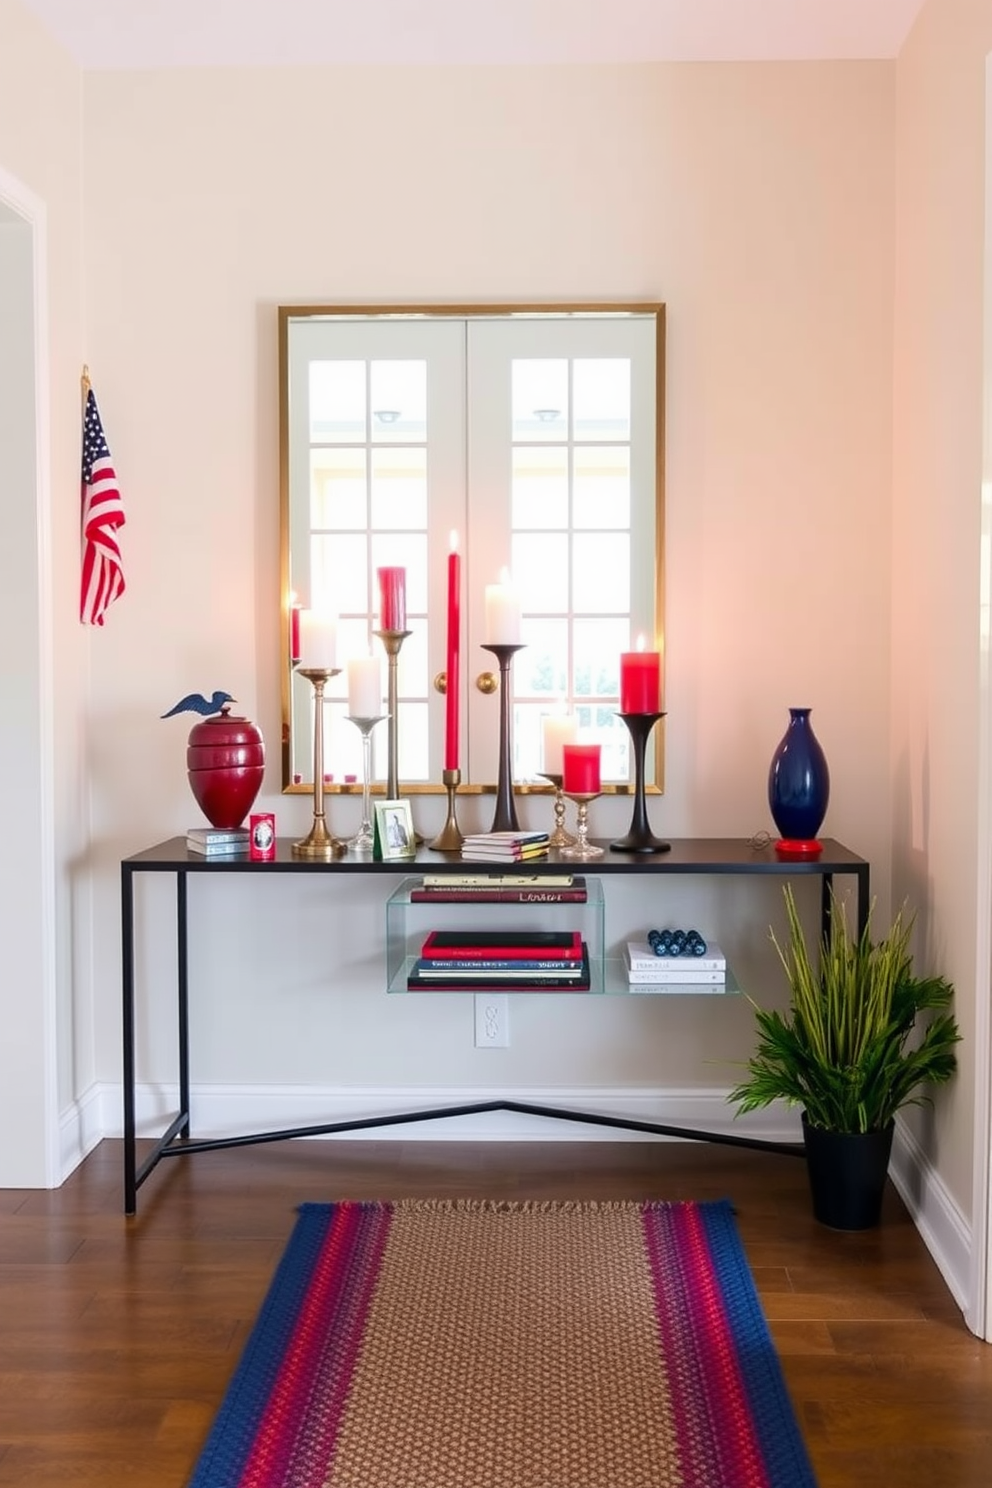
{"x": 583, "y": 847}
{"x": 450, "y": 837}
{"x": 318, "y": 843}
{"x": 559, "y": 837}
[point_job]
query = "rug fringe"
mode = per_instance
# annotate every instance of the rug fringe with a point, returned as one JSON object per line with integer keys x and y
{"x": 533, "y": 1206}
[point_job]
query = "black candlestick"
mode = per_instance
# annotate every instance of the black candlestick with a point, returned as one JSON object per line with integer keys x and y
{"x": 640, "y": 838}
{"x": 505, "y": 818}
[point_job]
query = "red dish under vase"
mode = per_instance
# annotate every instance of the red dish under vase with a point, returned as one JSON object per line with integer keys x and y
{"x": 225, "y": 762}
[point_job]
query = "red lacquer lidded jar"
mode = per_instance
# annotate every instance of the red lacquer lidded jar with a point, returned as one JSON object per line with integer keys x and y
{"x": 225, "y": 761}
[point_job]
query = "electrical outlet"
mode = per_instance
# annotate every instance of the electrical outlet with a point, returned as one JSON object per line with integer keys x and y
{"x": 492, "y": 1020}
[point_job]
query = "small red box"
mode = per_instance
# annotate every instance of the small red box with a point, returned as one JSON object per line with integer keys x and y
{"x": 262, "y": 837}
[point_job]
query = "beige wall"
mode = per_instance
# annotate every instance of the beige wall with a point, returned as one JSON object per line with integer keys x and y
{"x": 939, "y": 671}
{"x": 758, "y": 202}
{"x": 40, "y": 148}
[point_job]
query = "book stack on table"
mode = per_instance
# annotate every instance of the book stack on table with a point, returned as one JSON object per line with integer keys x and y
{"x": 500, "y": 888}
{"x": 501, "y": 960}
{"x": 506, "y": 847}
{"x": 650, "y": 972}
{"x": 218, "y": 842}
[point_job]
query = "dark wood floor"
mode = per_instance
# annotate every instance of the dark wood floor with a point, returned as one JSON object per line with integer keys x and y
{"x": 117, "y": 1337}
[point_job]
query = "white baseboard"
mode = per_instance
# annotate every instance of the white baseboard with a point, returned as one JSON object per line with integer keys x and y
{"x": 81, "y": 1126}
{"x": 225, "y": 1110}
{"x": 945, "y": 1230}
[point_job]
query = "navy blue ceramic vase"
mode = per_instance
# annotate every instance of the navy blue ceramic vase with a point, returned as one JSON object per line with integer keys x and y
{"x": 799, "y": 784}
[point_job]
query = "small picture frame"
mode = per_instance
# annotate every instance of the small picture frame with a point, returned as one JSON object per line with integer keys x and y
{"x": 394, "y": 834}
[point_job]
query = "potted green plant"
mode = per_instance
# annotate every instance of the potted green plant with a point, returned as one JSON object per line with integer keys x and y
{"x": 852, "y": 1048}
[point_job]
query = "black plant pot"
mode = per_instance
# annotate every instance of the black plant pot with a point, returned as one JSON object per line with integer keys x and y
{"x": 847, "y": 1172}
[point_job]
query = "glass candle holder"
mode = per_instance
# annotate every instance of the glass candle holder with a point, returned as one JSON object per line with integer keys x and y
{"x": 560, "y": 837}
{"x": 364, "y": 838}
{"x": 582, "y": 847}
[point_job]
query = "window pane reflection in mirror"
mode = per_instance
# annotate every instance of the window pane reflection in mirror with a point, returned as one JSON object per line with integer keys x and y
{"x": 337, "y": 402}
{"x": 601, "y": 398}
{"x": 399, "y": 489}
{"x": 338, "y": 488}
{"x": 602, "y": 486}
{"x": 539, "y": 398}
{"x": 601, "y": 573}
{"x": 541, "y": 668}
{"x": 539, "y": 486}
{"x": 398, "y": 398}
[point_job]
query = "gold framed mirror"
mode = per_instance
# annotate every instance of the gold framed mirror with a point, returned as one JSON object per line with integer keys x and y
{"x": 536, "y": 434}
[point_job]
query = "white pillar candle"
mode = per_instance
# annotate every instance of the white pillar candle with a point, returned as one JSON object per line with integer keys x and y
{"x": 502, "y": 613}
{"x": 364, "y": 687}
{"x": 318, "y": 640}
{"x": 557, "y": 730}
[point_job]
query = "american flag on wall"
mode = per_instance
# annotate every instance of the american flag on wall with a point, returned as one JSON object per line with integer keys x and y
{"x": 103, "y": 516}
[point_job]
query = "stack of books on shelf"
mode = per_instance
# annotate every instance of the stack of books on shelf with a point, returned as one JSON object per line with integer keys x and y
{"x": 501, "y": 960}
{"x": 218, "y": 842}
{"x": 500, "y": 888}
{"x": 506, "y": 847}
{"x": 647, "y": 972}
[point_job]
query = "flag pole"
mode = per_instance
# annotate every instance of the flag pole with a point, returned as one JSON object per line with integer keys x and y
{"x": 85, "y": 383}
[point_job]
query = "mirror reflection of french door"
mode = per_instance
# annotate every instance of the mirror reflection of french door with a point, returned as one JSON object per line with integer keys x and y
{"x": 533, "y": 440}
{"x": 562, "y": 472}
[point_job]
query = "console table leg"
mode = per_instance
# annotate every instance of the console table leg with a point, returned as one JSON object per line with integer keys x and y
{"x": 127, "y": 1025}
{"x": 182, "y": 984}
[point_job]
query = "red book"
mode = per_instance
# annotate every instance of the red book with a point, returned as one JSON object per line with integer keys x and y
{"x": 561, "y": 945}
{"x": 532, "y": 895}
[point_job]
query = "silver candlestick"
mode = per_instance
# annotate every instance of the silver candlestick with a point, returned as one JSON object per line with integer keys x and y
{"x": 560, "y": 837}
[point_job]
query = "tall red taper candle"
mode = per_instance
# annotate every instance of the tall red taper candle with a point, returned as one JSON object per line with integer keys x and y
{"x": 453, "y": 653}
{"x": 294, "y": 632}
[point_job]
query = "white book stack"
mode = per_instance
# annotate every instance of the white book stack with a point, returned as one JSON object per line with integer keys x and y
{"x": 647, "y": 972}
{"x": 217, "y": 842}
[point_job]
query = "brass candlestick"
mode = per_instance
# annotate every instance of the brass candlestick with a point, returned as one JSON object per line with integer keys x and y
{"x": 559, "y": 837}
{"x": 505, "y": 817}
{"x": 392, "y": 641}
{"x": 450, "y": 837}
{"x": 318, "y": 843}
{"x": 583, "y": 847}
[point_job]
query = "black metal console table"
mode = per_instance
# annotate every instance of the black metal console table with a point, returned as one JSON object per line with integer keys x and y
{"x": 708, "y": 855}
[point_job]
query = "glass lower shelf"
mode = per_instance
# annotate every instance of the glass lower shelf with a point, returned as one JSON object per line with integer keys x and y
{"x": 609, "y": 977}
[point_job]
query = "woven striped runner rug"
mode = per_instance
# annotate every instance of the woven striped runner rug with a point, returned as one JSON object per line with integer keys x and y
{"x": 465, "y": 1344}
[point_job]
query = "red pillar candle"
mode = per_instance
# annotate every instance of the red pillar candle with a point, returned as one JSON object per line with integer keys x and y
{"x": 640, "y": 680}
{"x": 580, "y": 769}
{"x": 392, "y": 598}
{"x": 452, "y": 659}
{"x": 294, "y": 632}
